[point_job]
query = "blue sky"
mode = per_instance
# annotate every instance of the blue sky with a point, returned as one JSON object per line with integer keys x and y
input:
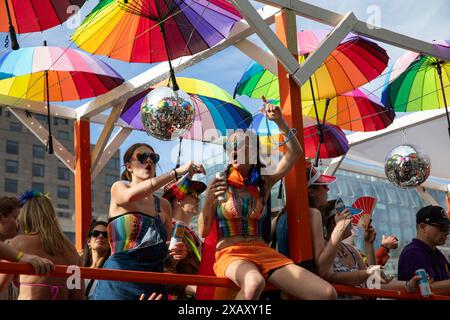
{"x": 426, "y": 20}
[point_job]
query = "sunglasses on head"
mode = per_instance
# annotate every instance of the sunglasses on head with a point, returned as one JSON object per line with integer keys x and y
{"x": 97, "y": 233}
{"x": 143, "y": 157}
{"x": 443, "y": 228}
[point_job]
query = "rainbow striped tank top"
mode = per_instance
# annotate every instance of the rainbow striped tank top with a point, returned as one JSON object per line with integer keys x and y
{"x": 135, "y": 230}
{"x": 241, "y": 214}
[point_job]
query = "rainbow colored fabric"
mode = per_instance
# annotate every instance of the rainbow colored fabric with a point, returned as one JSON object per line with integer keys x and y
{"x": 133, "y": 230}
{"x": 242, "y": 214}
{"x": 180, "y": 189}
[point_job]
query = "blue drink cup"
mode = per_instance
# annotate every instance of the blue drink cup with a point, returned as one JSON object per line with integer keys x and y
{"x": 424, "y": 284}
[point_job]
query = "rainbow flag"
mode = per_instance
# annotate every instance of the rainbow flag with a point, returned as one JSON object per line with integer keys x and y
{"x": 180, "y": 188}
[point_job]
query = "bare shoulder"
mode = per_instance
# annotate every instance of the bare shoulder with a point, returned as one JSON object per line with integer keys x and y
{"x": 20, "y": 241}
{"x": 120, "y": 185}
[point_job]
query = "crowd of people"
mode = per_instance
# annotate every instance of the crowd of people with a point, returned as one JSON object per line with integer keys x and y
{"x": 139, "y": 228}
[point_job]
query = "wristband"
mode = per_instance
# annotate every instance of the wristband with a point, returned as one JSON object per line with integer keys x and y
{"x": 19, "y": 256}
{"x": 175, "y": 172}
{"x": 292, "y": 132}
{"x": 387, "y": 249}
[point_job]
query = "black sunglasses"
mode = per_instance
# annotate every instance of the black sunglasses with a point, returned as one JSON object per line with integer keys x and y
{"x": 142, "y": 157}
{"x": 97, "y": 233}
{"x": 443, "y": 228}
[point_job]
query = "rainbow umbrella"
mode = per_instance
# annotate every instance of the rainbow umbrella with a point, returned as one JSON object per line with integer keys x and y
{"x": 33, "y": 15}
{"x": 214, "y": 109}
{"x": 72, "y": 74}
{"x": 333, "y": 144}
{"x": 353, "y": 63}
{"x": 138, "y": 30}
{"x": 423, "y": 85}
{"x": 55, "y": 74}
{"x": 357, "y": 110}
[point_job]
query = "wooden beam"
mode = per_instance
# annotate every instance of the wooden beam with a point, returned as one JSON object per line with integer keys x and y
{"x": 37, "y": 107}
{"x": 428, "y": 198}
{"x": 299, "y": 233}
{"x": 334, "y": 166}
{"x": 331, "y": 18}
{"x": 105, "y": 134}
{"x": 112, "y": 146}
{"x": 263, "y": 57}
{"x": 83, "y": 209}
{"x": 40, "y": 132}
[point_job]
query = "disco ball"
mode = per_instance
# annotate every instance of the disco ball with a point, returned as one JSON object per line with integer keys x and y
{"x": 167, "y": 114}
{"x": 407, "y": 166}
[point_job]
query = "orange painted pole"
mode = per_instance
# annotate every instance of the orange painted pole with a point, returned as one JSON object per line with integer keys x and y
{"x": 300, "y": 248}
{"x": 83, "y": 214}
{"x": 448, "y": 203}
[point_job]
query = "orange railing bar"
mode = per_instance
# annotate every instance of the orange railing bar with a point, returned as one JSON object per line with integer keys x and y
{"x": 170, "y": 278}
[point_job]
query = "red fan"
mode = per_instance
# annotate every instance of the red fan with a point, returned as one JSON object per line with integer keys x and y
{"x": 367, "y": 204}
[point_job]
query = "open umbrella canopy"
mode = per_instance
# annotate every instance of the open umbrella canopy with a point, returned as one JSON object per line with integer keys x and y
{"x": 215, "y": 110}
{"x": 131, "y": 31}
{"x": 357, "y": 110}
{"x": 335, "y": 143}
{"x": 72, "y": 74}
{"x": 36, "y": 15}
{"x": 418, "y": 87}
{"x": 353, "y": 63}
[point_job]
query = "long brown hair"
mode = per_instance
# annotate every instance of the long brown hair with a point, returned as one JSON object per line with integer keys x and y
{"x": 38, "y": 215}
{"x": 87, "y": 253}
{"x": 126, "y": 175}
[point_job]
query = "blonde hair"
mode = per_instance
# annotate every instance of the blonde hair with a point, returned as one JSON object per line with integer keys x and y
{"x": 38, "y": 215}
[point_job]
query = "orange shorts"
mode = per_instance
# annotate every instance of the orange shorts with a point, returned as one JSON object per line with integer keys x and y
{"x": 265, "y": 258}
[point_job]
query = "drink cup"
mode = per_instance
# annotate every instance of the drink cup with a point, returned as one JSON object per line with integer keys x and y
{"x": 177, "y": 234}
{"x": 221, "y": 176}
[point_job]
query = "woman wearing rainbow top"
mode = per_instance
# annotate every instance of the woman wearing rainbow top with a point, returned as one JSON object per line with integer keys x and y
{"x": 139, "y": 224}
{"x": 241, "y": 253}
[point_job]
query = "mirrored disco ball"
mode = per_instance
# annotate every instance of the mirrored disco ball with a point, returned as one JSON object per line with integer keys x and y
{"x": 407, "y": 166}
{"x": 167, "y": 114}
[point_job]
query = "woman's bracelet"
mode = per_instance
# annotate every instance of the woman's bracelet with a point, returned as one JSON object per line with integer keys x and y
{"x": 406, "y": 285}
{"x": 19, "y": 256}
{"x": 291, "y": 133}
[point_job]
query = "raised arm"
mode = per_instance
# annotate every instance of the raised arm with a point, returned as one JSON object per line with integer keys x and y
{"x": 293, "y": 149}
{"x": 123, "y": 194}
{"x": 325, "y": 253}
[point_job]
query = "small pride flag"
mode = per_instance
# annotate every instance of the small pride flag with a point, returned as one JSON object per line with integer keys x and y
{"x": 180, "y": 188}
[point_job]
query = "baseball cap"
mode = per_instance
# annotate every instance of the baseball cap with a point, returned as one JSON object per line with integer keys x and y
{"x": 313, "y": 177}
{"x": 432, "y": 215}
{"x": 194, "y": 186}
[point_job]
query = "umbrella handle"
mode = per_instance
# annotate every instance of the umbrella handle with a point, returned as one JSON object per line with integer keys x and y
{"x": 50, "y": 145}
{"x": 12, "y": 31}
{"x": 316, "y": 161}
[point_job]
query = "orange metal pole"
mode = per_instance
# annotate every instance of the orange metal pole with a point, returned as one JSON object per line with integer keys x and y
{"x": 83, "y": 214}
{"x": 448, "y": 203}
{"x": 300, "y": 248}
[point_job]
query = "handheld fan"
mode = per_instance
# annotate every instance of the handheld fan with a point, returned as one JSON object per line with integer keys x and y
{"x": 367, "y": 204}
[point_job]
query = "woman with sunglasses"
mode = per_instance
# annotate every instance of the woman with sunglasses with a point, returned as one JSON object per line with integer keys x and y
{"x": 139, "y": 224}
{"x": 241, "y": 253}
{"x": 95, "y": 252}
